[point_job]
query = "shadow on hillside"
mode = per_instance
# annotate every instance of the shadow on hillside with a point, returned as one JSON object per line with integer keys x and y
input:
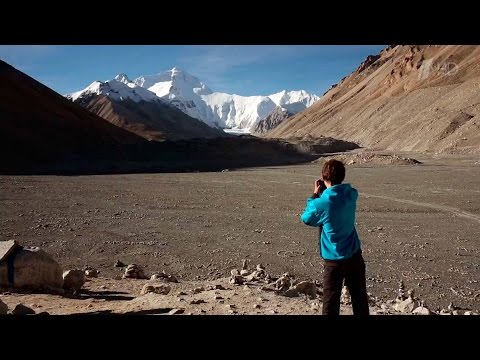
{"x": 168, "y": 156}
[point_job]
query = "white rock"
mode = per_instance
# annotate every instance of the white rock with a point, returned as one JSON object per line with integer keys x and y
{"x": 421, "y": 311}
{"x": 244, "y": 272}
{"x": 162, "y": 289}
{"x": 406, "y": 306}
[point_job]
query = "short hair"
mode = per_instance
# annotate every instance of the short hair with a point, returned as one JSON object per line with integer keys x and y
{"x": 333, "y": 171}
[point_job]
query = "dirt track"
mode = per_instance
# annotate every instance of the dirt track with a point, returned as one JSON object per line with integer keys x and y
{"x": 417, "y": 223}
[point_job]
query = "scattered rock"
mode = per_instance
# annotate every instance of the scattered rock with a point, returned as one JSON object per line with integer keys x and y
{"x": 73, "y": 279}
{"x": 133, "y": 271}
{"x": 198, "y": 290}
{"x": 92, "y": 273}
{"x": 236, "y": 280}
{"x": 421, "y": 311}
{"x": 21, "y": 309}
{"x": 3, "y": 308}
{"x": 345, "y": 298}
{"x": 307, "y": 287}
{"x": 197, "y": 301}
{"x": 406, "y": 306}
{"x": 164, "y": 277}
{"x": 292, "y": 292}
{"x": 118, "y": 263}
{"x": 182, "y": 293}
{"x": 161, "y": 289}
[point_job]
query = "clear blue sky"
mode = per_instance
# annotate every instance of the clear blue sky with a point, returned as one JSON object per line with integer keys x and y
{"x": 234, "y": 69}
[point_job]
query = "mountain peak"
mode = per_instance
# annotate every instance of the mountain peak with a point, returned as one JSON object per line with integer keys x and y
{"x": 122, "y": 78}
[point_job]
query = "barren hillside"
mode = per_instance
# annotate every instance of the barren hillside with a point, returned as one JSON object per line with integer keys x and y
{"x": 407, "y": 98}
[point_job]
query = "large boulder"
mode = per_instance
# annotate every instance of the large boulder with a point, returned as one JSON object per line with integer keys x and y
{"x": 32, "y": 268}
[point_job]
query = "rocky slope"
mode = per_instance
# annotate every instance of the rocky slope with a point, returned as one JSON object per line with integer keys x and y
{"x": 407, "y": 98}
{"x": 277, "y": 116}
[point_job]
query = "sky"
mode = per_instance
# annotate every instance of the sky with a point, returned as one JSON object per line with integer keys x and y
{"x": 234, "y": 69}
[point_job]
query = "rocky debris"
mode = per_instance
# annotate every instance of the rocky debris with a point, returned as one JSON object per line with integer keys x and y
{"x": 90, "y": 272}
{"x": 198, "y": 290}
{"x": 283, "y": 283}
{"x": 118, "y": 263}
{"x": 307, "y": 287}
{"x": 33, "y": 267}
{"x": 421, "y": 311}
{"x": 215, "y": 287}
{"x": 197, "y": 301}
{"x": 345, "y": 297}
{"x": 371, "y": 157}
{"x": 164, "y": 277}
{"x": 73, "y": 279}
{"x": 161, "y": 289}
{"x": 21, "y": 309}
{"x": 237, "y": 280}
{"x": 133, "y": 271}
{"x": 3, "y": 308}
{"x": 234, "y": 272}
{"x": 401, "y": 291}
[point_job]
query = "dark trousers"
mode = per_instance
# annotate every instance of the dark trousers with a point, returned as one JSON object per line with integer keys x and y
{"x": 353, "y": 271}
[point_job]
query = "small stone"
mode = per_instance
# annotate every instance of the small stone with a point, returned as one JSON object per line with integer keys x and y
{"x": 244, "y": 272}
{"x": 118, "y": 263}
{"x": 230, "y": 306}
{"x": 182, "y": 293}
{"x": 307, "y": 287}
{"x": 292, "y": 292}
{"x": 237, "y": 279}
{"x": 468, "y": 313}
{"x": 217, "y": 297}
{"x": 260, "y": 267}
{"x": 232, "y": 312}
{"x": 198, "y": 290}
{"x": 234, "y": 272}
{"x": 421, "y": 311}
{"x": 197, "y": 301}
{"x": 21, "y": 309}
{"x": 91, "y": 273}
{"x": 272, "y": 311}
{"x": 455, "y": 312}
{"x": 161, "y": 289}
{"x": 262, "y": 299}
{"x": 256, "y": 306}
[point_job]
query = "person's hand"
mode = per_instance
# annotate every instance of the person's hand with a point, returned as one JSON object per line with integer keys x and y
{"x": 319, "y": 186}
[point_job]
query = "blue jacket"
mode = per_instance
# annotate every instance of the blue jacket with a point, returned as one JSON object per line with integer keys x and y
{"x": 334, "y": 211}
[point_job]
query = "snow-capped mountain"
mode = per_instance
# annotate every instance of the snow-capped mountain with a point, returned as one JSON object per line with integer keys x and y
{"x": 190, "y": 95}
{"x": 119, "y": 88}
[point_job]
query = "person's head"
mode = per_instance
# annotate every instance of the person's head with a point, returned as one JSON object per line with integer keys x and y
{"x": 333, "y": 171}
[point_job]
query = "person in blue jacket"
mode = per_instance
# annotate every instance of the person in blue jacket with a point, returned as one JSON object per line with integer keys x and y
{"x": 332, "y": 208}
